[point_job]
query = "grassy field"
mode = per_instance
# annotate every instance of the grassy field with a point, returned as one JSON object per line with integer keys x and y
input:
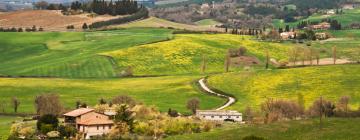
{"x": 5, "y": 124}
{"x": 348, "y": 17}
{"x": 162, "y": 23}
{"x": 253, "y": 88}
{"x": 333, "y": 129}
{"x": 163, "y": 92}
{"x": 70, "y": 54}
{"x": 207, "y": 22}
{"x": 183, "y": 54}
{"x": 346, "y": 41}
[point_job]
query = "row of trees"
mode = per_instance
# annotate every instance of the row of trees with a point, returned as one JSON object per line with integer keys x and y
{"x": 140, "y": 14}
{"x": 309, "y": 54}
{"x": 122, "y": 7}
{"x": 13, "y": 29}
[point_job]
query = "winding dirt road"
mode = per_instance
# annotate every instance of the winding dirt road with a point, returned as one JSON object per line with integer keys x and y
{"x": 230, "y": 101}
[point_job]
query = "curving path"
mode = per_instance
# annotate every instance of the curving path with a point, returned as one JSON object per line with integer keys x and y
{"x": 230, "y": 101}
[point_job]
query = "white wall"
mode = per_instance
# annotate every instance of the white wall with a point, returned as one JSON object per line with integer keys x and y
{"x": 221, "y": 118}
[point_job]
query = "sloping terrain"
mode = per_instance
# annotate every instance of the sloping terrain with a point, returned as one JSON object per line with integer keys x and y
{"x": 162, "y": 92}
{"x": 71, "y": 54}
{"x": 183, "y": 54}
{"x": 253, "y": 88}
{"x": 162, "y": 23}
{"x": 333, "y": 129}
{"x": 50, "y": 20}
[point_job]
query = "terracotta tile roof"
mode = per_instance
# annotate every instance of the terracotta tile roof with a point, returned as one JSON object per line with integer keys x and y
{"x": 96, "y": 120}
{"x": 78, "y": 112}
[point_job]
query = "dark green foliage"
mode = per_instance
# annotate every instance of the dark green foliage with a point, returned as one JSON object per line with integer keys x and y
{"x": 124, "y": 114}
{"x": 142, "y": 13}
{"x": 47, "y": 123}
{"x": 123, "y": 7}
{"x": 67, "y": 131}
{"x": 252, "y": 137}
{"x": 173, "y": 113}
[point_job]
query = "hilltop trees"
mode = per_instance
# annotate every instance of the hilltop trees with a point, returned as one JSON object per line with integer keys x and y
{"x": 114, "y": 8}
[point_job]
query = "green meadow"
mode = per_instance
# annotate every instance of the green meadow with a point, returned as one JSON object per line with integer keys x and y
{"x": 251, "y": 88}
{"x": 69, "y": 54}
{"x": 348, "y": 17}
{"x": 162, "y": 92}
{"x": 5, "y": 124}
{"x": 333, "y": 129}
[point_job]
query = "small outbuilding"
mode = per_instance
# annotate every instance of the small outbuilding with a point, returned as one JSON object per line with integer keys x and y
{"x": 219, "y": 115}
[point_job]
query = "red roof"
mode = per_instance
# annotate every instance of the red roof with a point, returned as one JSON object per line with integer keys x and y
{"x": 96, "y": 120}
{"x": 78, "y": 112}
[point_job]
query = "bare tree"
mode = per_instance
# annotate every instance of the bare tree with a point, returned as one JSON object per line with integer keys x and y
{"x": 15, "y": 103}
{"x": 203, "y": 64}
{"x": 124, "y": 99}
{"x": 267, "y": 59}
{"x": 343, "y": 104}
{"x": 334, "y": 54}
{"x": 48, "y": 104}
{"x": 193, "y": 104}
{"x": 227, "y": 61}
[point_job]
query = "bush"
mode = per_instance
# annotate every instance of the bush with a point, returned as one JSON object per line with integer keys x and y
{"x": 279, "y": 109}
{"x": 47, "y": 123}
{"x": 252, "y": 137}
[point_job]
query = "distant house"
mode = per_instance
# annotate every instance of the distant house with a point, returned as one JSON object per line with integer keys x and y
{"x": 322, "y": 36}
{"x": 219, "y": 115}
{"x": 321, "y": 26}
{"x": 88, "y": 122}
{"x": 287, "y": 35}
{"x": 330, "y": 12}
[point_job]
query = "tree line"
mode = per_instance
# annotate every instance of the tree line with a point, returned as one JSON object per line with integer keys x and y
{"x": 13, "y": 29}
{"x": 140, "y": 14}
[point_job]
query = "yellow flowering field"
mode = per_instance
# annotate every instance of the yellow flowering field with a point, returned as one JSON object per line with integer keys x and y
{"x": 253, "y": 88}
{"x": 183, "y": 54}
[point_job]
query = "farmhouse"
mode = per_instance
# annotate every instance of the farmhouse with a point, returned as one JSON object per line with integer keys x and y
{"x": 321, "y": 26}
{"x": 219, "y": 115}
{"x": 287, "y": 35}
{"x": 321, "y": 36}
{"x": 88, "y": 122}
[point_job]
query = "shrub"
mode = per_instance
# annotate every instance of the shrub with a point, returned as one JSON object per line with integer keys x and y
{"x": 252, "y": 137}
{"x": 47, "y": 123}
{"x": 124, "y": 99}
{"x": 279, "y": 109}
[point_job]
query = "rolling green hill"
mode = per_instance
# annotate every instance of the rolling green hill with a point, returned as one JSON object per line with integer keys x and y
{"x": 70, "y": 54}
{"x": 163, "y": 92}
{"x": 154, "y": 22}
{"x": 253, "y": 88}
{"x": 348, "y": 17}
{"x": 333, "y": 129}
{"x": 183, "y": 54}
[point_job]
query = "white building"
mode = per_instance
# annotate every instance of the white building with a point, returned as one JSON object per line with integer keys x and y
{"x": 219, "y": 115}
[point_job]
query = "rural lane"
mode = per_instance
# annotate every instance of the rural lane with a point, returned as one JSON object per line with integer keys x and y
{"x": 230, "y": 101}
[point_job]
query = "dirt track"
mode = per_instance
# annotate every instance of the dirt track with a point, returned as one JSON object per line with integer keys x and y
{"x": 49, "y": 20}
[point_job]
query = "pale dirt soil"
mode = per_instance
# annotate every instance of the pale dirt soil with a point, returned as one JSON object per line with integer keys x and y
{"x": 323, "y": 61}
{"x": 49, "y": 20}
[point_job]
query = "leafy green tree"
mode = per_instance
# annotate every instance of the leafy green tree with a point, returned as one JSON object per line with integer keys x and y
{"x": 47, "y": 123}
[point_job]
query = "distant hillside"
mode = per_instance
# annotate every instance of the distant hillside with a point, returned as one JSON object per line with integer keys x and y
{"x": 157, "y": 22}
{"x": 49, "y": 20}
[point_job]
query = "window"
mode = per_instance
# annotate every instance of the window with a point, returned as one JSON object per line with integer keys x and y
{"x": 237, "y": 116}
{"x": 103, "y": 127}
{"x": 203, "y": 116}
{"x": 97, "y": 127}
{"x": 212, "y": 116}
{"x": 109, "y": 126}
{"x": 220, "y": 116}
